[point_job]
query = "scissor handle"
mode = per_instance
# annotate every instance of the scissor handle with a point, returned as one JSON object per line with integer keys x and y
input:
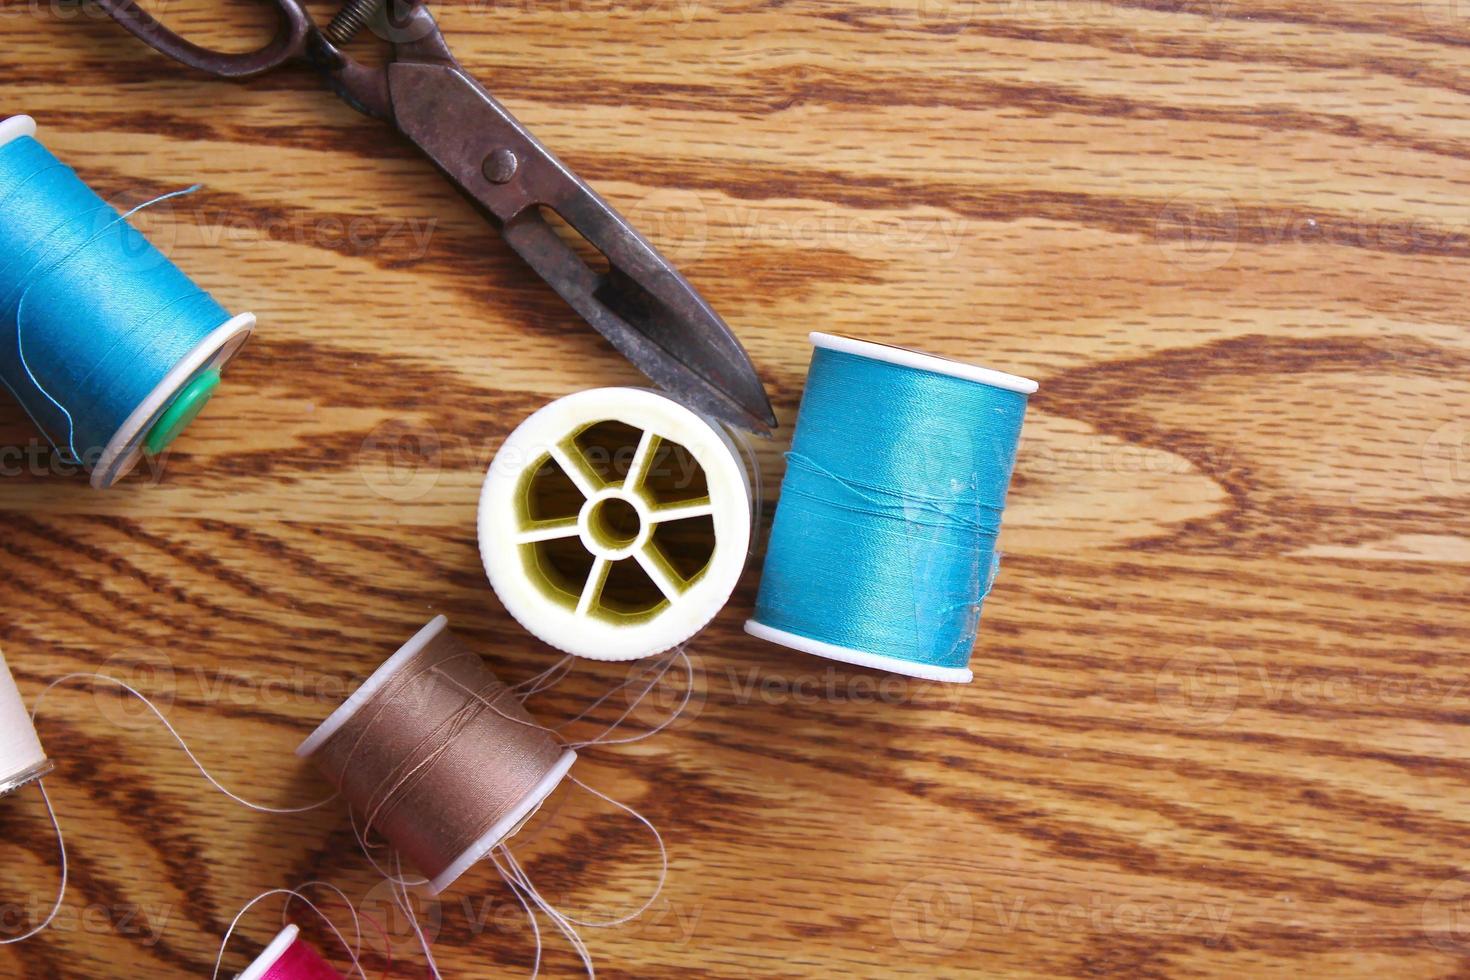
{"x": 289, "y": 43}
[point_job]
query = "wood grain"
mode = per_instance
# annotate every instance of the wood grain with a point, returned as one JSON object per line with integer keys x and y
{"x": 1218, "y": 723}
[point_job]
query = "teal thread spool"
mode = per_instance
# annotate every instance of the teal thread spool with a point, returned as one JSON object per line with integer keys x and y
{"x": 883, "y": 547}
{"x": 107, "y": 345}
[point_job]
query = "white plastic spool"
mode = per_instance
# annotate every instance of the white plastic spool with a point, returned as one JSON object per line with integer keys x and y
{"x": 503, "y": 828}
{"x": 574, "y": 616}
{"x": 22, "y": 760}
{"x": 917, "y": 361}
{"x": 271, "y": 955}
{"x": 124, "y": 449}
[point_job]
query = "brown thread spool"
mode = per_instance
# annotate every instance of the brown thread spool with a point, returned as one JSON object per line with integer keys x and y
{"x": 438, "y": 755}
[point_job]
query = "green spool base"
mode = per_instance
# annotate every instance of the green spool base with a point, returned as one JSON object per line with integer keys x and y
{"x": 184, "y": 409}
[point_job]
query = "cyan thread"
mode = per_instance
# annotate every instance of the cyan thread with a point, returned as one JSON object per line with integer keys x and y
{"x": 92, "y": 316}
{"x": 884, "y": 538}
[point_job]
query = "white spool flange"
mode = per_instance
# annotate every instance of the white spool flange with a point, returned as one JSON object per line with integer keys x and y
{"x": 573, "y": 616}
{"x": 920, "y": 361}
{"x": 271, "y": 954}
{"x": 125, "y": 448}
{"x": 15, "y": 127}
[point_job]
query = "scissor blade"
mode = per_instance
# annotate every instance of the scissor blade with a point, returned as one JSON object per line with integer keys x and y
{"x": 641, "y": 304}
{"x": 714, "y": 373}
{"x": 652, "y": 315}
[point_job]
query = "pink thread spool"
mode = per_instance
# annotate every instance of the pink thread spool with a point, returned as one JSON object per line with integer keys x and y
{"x": 289, "y": 957}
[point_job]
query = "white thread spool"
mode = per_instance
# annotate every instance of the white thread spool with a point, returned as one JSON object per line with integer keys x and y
{"x": 22, "y": 760}
{"x": 621, "y": 523}
{"x": 124, "y": 449}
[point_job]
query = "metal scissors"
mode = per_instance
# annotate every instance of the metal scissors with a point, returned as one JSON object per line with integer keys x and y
{"x": 640, "y": 303}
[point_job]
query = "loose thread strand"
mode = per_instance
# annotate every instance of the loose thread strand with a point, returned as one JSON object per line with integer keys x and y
{"x": 352, "y": 951}
{"x": 41, "y": 926}
{"x": 56, "y": 822}
{"x": 260, "y": 808}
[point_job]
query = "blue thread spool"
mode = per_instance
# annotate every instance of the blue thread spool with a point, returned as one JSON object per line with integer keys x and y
{"x": 106, "y": 344}
{"x": 883, "y": 547}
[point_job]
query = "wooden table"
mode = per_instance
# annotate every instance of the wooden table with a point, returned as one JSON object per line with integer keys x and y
{"x": 1218, "y": 721}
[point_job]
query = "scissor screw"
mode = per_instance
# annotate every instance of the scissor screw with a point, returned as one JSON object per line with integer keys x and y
{"x": 500, "y": 166}
{"x": 352, "y": 18}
